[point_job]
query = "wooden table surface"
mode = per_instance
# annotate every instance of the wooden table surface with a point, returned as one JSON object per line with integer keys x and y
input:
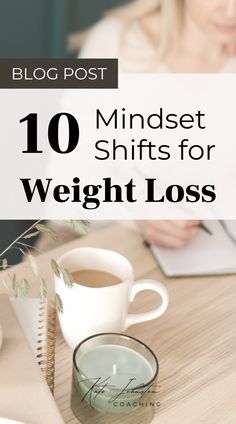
{"x": 195, "y": 340}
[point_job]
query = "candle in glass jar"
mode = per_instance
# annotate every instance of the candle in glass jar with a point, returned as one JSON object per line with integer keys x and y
{"x": 116, "y": 371}
{"x": 114, "y": 380}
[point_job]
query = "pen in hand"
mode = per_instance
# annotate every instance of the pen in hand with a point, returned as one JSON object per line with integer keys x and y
{"x": 201, "y": 226}
{"x": 204, "y": 228}
{"x": 146, "y": 243}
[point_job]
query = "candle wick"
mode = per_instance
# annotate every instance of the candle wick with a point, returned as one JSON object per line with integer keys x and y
{"x": 114, "y": 369}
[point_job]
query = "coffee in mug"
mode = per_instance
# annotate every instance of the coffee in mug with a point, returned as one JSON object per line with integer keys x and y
{"x": 95, "y": 278}
{"x": 99, "y": 300}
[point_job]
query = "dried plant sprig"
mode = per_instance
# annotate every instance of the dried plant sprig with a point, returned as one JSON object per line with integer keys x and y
{"x": 58, "y": 303}
{"x": 19, "y": 237}
{"x": 31, "y": 235}
{"x": 80, "y": 227}
{"x": 42, "y": 228}
{"x": 22, "y": 287}
{"x": 33, "y": 265}
{"x": 55, "y": 268}
{"x": 59, "y": 271}
{"x": 67, "y": 277}
{"x": 4, "y": 264}
{"x": 43, "y": 289}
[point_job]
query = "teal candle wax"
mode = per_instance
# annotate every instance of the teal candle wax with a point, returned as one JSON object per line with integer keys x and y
{"x": 111, "y": 378}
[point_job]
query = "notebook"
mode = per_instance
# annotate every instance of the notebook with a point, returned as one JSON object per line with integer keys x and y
{"x": 205, "y": 255}
{"x": 38, "y": 321}
{"x": 24, "y": 393}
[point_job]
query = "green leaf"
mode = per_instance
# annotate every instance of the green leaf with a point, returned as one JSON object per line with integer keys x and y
{"x": 4, "y": 264}
{"x": 55, "y": 267}
{"x": 45, "y": 229}
{"x": 33, "y": 265}
{"x": 43, "y": 290}
{"x": 30, "y": 235}
{"x": 58, "y": 304}
{"x": 67, "y": 277}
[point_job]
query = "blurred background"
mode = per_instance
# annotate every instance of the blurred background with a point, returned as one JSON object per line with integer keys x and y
{"x": 39, "y": 29}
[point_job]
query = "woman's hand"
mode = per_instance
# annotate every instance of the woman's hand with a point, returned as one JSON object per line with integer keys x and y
{"x": 174, "y": 234}
{"x": 231, "y": 49}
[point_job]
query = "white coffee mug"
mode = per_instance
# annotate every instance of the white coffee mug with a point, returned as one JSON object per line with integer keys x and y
{"x": 89, "y": 310}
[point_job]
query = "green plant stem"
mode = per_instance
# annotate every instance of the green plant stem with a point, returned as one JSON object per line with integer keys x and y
{"x": 19, "y": 237}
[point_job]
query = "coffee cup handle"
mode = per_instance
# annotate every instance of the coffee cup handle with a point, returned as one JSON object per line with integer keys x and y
{"x": 142, "y": 285}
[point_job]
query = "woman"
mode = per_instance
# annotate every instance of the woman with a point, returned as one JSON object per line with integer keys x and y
{"x": 185, "y": 36}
